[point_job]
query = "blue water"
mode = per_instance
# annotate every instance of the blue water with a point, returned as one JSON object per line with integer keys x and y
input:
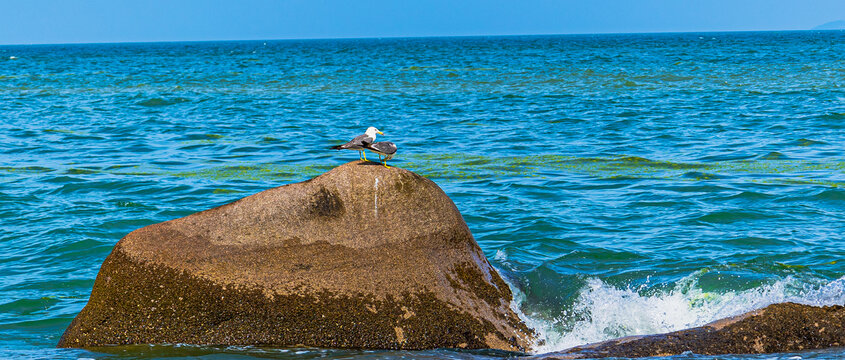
{"x": 623, "y": 184}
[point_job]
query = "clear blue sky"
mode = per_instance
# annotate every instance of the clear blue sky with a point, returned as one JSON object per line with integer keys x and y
{"x": 81, "y": 21}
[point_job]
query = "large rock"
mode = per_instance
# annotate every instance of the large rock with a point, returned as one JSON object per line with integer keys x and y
{"x": 359, "y": 257}
{"x": 783, "y": 327}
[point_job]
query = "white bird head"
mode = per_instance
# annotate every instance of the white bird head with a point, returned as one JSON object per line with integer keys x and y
{"x": 371, "y": 132}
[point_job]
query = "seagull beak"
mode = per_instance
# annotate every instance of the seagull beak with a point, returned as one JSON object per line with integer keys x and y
{"x": 380, "y": 133}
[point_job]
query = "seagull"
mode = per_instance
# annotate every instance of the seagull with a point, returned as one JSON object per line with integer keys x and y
{"x": 360, "y": 141}
{"x": 386, "y": 148}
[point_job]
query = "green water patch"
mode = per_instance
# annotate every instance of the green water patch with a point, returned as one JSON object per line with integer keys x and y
{"x": 774, "y": 155}
{"x": 246, "y": 172}
{"x": 753, "y": 242}
{"x": 226, "y": 191}
{"x": 416, "y": 68}
{"x": 265, "y": 171}
{"x": 463, "y": 166}
{"x": 80, "y": 171}
{"x": 43, "y": 324}
{"x": 26, "y": 169}
{"x": 471, "y": 166}
{"x": 200, "y": 137}
{"x": 750, "y": 195}
{"x": 699, "y": 176}
{"x": 667, "y": 77}
{"x": 117, "y": 167}
{"x": 800, "y": 181}
{"x": 625, "y": 167}
{"x": 469, "y": 69}
{"x": 28, "y": 306}
{"x": 833, "y": 195}
{"x": 808, "y": 142}
{"x": 791, "y": 266}
{"x": 833, "y": 116}
{"x": 159, "y": 102}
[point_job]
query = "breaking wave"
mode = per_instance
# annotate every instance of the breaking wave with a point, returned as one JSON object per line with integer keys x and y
{"x": 603, "y": 312}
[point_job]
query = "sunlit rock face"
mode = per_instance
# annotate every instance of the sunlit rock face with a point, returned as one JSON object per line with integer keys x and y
{"x": 360, "y": 257}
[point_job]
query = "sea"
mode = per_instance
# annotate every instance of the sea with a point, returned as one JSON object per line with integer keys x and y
{"x": 622, "y": 184}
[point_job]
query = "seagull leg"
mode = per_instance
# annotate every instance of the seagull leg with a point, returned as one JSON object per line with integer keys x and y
{"x": 385, "y": 164}
{"x": 359, "y": 154}
{"x": 365, "y": 155}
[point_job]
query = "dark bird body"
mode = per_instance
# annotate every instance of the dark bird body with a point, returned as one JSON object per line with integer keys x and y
{"x": 383, "y": 148}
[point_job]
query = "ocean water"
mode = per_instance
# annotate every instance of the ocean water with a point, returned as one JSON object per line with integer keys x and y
{"x": 622, "y": 184}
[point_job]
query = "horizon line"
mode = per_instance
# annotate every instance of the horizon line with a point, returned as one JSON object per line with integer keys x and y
{"x": 416, "y": 37}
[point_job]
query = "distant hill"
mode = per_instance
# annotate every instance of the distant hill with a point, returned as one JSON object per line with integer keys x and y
{"x": 833, "y": 25}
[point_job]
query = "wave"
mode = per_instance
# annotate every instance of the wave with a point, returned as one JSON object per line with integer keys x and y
{"x": 808, "y": 142}
{"x": 603, "y": 312}
{"x": 833, "y": 116}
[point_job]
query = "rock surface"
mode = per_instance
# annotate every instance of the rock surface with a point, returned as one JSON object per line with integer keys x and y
{"x": 783, "y": 327}
{"x": 359, "y": 257}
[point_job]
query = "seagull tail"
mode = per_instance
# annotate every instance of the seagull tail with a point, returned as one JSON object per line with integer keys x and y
{"x": 337, "y": 147}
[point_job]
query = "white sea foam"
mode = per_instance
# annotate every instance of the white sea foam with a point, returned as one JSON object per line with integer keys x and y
{"x": 602, "y": 312}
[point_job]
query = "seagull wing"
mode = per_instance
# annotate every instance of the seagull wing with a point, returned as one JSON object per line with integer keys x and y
{"x": 362, "y": 140}
{"x": 358, "y": 143}
{"x": 384, "y": 148}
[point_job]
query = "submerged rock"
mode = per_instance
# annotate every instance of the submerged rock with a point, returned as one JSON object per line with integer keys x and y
{"x": 359, "y": 257}
{"x": 783, "y": 327}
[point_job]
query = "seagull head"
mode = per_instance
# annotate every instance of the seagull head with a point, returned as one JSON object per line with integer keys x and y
{"x": 371, "y": 132}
